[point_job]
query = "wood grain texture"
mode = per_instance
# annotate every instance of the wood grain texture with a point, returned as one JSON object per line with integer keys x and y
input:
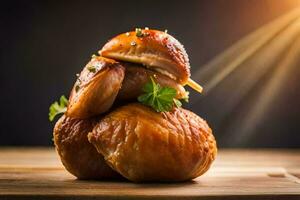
{"x": 36, "y": 173}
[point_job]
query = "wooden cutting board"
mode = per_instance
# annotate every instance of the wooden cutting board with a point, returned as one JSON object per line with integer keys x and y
{"x": 36, "y": 173}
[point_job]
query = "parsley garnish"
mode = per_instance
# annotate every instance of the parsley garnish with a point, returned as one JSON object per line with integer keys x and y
{"x": 177, "y": 103}
{"x": 91, "y": 68}
{"x": 139, "y": 32}
{"x": 159, "y": 98}
{"x": 186, "y": 98}
{"x": 56, "y": 109}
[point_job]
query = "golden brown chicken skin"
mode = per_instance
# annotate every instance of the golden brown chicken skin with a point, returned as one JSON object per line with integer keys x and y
{"x": 152, "y": 48}
{"x": 78, "y": 156}
{"x": 96, "y": 88}
{"x": 98, "y": 138}
{"x": 143, "y": 145}
{"x": 136, "y": 77}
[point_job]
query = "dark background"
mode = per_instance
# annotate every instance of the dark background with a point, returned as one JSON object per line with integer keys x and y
{"x": 45, "y": 43}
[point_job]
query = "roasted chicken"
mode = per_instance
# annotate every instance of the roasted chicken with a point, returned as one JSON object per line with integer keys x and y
{"x": 103, "y": 136}
{"x": 78, "y": 156}
{"x": 96, "y": 88}
{"x": 152, "y": 48}
{"x": 143, "y": 145}
{"x": 136, "y": 77}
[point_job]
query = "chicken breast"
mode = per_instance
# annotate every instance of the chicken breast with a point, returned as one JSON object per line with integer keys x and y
{"x": 136, "y": 77}
{"x": 79, "y": 156}
{"x": 143, "y": 145}
{"x": 151, "y": 48}
{"x": 96, "y": 88}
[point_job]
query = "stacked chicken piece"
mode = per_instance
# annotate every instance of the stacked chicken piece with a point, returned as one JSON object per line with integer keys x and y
{"x": 105, "y": 133}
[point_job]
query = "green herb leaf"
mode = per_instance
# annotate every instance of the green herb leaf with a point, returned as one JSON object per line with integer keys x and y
{"x": 58, "y": 108}
{"x": 161, "y": 99}
{"x": 139, "y": 32}
{"x": 91, "y": 68}
{"x": 186, "y": 98}
{"x": 177, "y": 103}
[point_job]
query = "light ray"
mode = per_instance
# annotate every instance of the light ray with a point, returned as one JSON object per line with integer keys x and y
{"x": 241, "y": 83}
{"x": 211, "y": 74}
{"x": 269, "y": 92}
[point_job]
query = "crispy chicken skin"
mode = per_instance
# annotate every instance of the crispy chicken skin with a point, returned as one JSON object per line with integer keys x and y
{"x": 136, "y": 77}
{"x": 143, "y": 145}
{"x": 96, "y": 88}
{"x": 154, "y": 49}
{"x": 99, "y": 137}
{"x": 78, "y": 156}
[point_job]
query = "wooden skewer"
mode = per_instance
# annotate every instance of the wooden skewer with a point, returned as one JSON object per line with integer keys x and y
{"x": 194, "y": 85}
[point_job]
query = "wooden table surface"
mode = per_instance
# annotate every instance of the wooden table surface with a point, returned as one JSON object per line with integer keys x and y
{"x": 36, "y": 173}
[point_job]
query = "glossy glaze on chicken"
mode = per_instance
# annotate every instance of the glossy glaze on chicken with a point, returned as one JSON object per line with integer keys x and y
{"x": 78, "y": 156}
{"x": 97, "y": 139}
{"x": 144, "y": 145}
